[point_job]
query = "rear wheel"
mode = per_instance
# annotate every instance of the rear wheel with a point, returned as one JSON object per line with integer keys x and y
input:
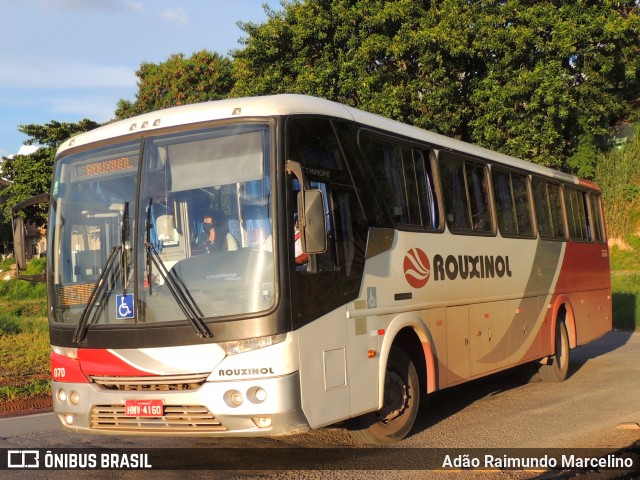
{"x": 395, "y": 419}
{"x": 557, "y": 366}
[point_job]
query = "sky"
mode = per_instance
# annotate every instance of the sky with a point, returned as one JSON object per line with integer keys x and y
{"x": 66, "y": 60}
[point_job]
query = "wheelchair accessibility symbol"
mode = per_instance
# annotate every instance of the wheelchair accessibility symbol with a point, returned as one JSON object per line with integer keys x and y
{"x": 124, "y": 306}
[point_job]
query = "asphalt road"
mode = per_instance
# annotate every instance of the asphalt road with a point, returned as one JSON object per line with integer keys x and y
{"x": 503, "y": 411}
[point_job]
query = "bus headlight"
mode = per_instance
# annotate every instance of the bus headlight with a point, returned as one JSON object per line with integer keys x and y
{"x": 262, "y": 422}
{"x": 65, "y": 352}
{"x": 62, "y": 395}
{"x": 248, "y": 344}
{"x": 233, "y": 398}
{"x": 257, "y": 394}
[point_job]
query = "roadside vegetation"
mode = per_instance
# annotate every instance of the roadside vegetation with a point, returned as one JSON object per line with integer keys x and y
{"x": 24, "y": 339}
{"x": 618, "y": 174}
{"x": 625, "y": 284}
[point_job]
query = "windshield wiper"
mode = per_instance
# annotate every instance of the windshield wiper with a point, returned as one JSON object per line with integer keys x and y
{"x": 125, "y": 239}
{"x": 99, "y": 292}
{"x": 176, "y": 286}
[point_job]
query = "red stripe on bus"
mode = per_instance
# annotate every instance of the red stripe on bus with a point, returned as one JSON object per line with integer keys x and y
{"x": 104, "y": 362}
{"x": 577, "y": 275}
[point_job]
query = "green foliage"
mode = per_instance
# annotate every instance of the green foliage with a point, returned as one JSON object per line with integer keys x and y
{"x": 542, "y": 81}
{"x": 583, "y": 160}
{"x": 24, "y": 337}
{"x": 26, "y": 317}
{"x": 618, "y": 174}
{"x": 29, "y": 389}
{"x": 36, "y": 266}
{"x": 16, "y": 289}
{"x": 7, "y": 264}
{"x": 24, "y": 348}
{"x": 9, "y": 325}
{"x": 626, "y": 259}
{"x": 179, "y": 81}
{"x": 626, "y": 301}
{"x": 31, "y": 174}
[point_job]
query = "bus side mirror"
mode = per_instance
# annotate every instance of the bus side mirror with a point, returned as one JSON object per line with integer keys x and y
{"x": 19, "y": 252}
{"x": 19, "y": 244}
{"x": 312, "y": 223}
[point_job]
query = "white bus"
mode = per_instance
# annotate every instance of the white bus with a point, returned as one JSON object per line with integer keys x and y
{"x": 427, "y": 262}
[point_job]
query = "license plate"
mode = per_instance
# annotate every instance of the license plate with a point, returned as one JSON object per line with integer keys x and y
{"x": 143, "y": 408}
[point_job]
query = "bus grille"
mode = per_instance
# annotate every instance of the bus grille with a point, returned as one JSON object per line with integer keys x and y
{"x": 176, "y": 419}
{"x": 162, "y": 383}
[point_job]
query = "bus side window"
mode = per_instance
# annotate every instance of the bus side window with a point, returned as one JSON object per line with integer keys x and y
{"x": 312, "y": 142}
{"x": 454, "y": 192}
{"x": 579, "y": 227}
{"x": 478, "y": 192}
{"x": 367, "y": 192}
{"x": 595, "y": 213}
{"x": 335, "y": 273}
{"x": 404, "y": 178}
{"x": 512, "y": 203}
{"x": 465, "y": 187}
{"x": 426, "y": 190}
{"x": 386, "y": 164}
{"x": 549, "y": 211}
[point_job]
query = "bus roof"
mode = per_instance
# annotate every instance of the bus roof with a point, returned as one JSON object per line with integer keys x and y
{"x": 288, "y": 104}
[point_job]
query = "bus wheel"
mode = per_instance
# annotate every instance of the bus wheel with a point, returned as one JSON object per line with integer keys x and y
{"x": 395, "y": 419}
{"x": 557, "y": 366}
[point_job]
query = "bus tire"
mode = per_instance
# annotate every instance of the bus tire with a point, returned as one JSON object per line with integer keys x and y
{"x": 395, "y": 419}
{"x": 557, "y": 366}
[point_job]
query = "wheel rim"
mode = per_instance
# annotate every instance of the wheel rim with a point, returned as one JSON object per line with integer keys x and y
{"x": 396, "y": 398}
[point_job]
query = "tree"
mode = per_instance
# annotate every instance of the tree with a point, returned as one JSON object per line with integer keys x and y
{"x": 31, "y": 174}
{"x": 544, "y": 81}
{"x": 179, "y": 81}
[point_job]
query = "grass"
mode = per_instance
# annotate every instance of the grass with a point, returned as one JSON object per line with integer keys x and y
{"x": 24, "y": 338}
{"x": 627, "y": 260}
{"x": 625, "y": 285}
{"x": 626, "y": 301}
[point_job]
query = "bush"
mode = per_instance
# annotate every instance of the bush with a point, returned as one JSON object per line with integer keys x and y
{"x": 16, "y": 289}
{"x": 7, "y": 263}
{"x": 626, "y": 259}
{"x": 626, "y": 301}
{"x": 618, "y": 174}
{"x": 9, "y": 326}
{"x": 36, "y": 266}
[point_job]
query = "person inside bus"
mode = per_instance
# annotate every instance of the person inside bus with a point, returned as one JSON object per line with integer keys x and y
{"x": 215, "y": 236}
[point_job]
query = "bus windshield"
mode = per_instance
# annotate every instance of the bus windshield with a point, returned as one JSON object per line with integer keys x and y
{"x": 193, "y": 238}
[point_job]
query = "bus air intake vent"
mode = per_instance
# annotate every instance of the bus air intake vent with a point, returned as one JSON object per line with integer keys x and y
{"x": 162, "y": 383}
{"x": 176, "y": 419}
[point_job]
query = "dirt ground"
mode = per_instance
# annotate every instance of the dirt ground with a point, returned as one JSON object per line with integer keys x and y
{"x": 41, "y": 403}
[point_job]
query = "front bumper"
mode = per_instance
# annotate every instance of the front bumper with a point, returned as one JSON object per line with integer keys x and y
{"x": 204, "y": 411}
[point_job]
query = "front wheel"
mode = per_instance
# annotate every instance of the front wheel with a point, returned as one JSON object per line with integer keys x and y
{"x": 395, "y": 419}
{"x": 557, "y": 366}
